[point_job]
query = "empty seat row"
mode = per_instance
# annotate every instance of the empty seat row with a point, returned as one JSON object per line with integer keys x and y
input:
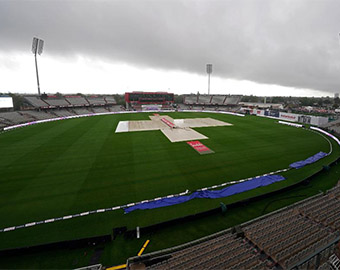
{"x": 195, "y": 257}
{"x": 15, "y": 117}
{"x": 321, "y": 242}
{"x": 96, "y": 100}
{"x": 36, "y": 102}
{"x": 58, "y": 102}
{"x": 271, "y": 240}
{"x": 274, "y": 230}
{"x": 40, "y": 115}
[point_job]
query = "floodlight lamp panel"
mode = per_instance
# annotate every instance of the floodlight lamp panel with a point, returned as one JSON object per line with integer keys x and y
{"x": 40, "y": 46}
{"x": 35, "y": 45}
{"x": 209, "y": 68}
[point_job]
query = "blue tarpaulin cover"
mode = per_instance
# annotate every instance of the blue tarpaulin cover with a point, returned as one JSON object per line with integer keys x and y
{"x": 260, "y": 181}
{"x": 312, "y": 159}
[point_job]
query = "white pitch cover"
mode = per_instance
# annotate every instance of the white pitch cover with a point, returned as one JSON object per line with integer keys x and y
{"x": 123, "y": 126}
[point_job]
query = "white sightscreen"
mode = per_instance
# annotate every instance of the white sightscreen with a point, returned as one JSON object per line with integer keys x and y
{"x": 6, "y": 102}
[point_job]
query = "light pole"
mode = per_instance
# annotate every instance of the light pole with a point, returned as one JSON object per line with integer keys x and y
{"x": 37, "y": 47}
{"x": 209, "y": 71}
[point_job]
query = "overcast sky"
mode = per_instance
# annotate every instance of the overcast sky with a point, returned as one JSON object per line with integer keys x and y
{"x": 260, "y": 47}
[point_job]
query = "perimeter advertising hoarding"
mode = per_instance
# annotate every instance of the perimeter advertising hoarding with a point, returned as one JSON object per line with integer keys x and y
{"x": 257, "y": 112}
{"x": 289, "y": 116}
{"x": 6, "y": 102}
{"x": 304, "y": 119}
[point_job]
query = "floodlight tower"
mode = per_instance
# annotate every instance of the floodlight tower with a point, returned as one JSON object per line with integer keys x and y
{"x": 37, "y": 47}
{"x": 209, "y": 71}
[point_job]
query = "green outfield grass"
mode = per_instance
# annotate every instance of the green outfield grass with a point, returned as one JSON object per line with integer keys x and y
{"x": 71, "y": 166}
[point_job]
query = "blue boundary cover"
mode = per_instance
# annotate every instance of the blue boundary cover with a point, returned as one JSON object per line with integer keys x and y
{"x": 253, "y": 183}
{"x": 310, "y": 160}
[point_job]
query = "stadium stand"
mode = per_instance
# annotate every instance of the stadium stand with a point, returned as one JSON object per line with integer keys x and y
{"x": 212, "y": 99}
{"x": 69, "y": 101}
{"x": 2, "y": 125}
{"x": 167, "y": 107}
{"x": 335, "y": 123}
{"x": 37, "y": 115}
{"x": 184, "y": 107}
{"x": 302, "y": 236}
{"x": 197, "y": 107}
{"x": 36, "y": 102}
{"x": 55, "y": 106}
{"x": 115, "y": 108}
{"x": 218, "y": 99}
{"x": 57, "y": 102}
{"x": 99, "y": 110}
{"x": 204, "y": 99}
{"x": 232, "y": 100}
{"x": 334, "y": 129}
{"x": 15, "y": 117}
{"x": 80, "y": 111}
{"x": 5, "y": 122}
{"x": 110, "y": 100}
{"x": 96, "y": 100}
{"x": 190, "y": 99}
{"x": 77, "y": 100}
{"x": 62, "y": 113}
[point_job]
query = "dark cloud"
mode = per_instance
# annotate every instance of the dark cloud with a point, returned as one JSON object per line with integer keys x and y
{"x": 290, "y": 43}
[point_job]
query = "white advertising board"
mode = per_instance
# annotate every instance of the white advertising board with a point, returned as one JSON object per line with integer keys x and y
{"x": 289, "y": 116}
{"x": 6, "y": 102}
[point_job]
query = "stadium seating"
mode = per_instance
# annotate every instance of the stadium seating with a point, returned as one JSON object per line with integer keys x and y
{"x": 69, "y": 101}
{"x": 99, "y": 110}
{"x": 190, "y": 99}
{"x": 204, "y": 99}
{"x": 232, "y": 100}
{"x": 96, "y": 100}
{"x": 58, "y": 102}
{"x": 36, "y": 102}
{"x": 218, "y": 99}
{"x": 304, "y": 234}
{"x": 213, "y": 100}
{"x": 15, "y": 117}
{"x": 80, "y": 111}
{"x": 110, "y": 100}
{"x": 223, "y": 252}
{"x": 37, "y": 115}
{"x": 115, "y": 108}
{"x": 184, "y": 107}
{"x": 63, "y": 113}
{"x": 77, "y": 100}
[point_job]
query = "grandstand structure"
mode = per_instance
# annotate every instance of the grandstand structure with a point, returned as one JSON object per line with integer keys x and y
{"x": 50, "y": 102}
{"x": 50, "y": 107}
{"x": 140, "y": 101}
{"x": 305, "y": 235}
{"x": 333, "y": 127}
{"x": 220, "y": 102}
